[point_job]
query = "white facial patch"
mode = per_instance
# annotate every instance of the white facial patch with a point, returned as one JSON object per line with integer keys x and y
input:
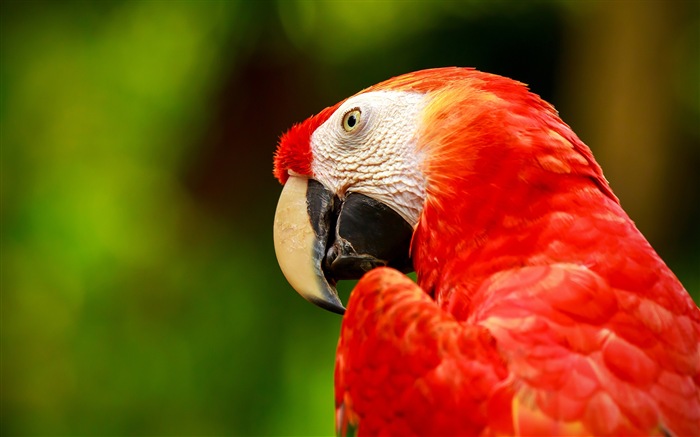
{"x": 368, "y": 146}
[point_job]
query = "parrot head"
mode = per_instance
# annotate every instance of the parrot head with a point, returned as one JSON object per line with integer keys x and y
{"x": 368, "y": 181}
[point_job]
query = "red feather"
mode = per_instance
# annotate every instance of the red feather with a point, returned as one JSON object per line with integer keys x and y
{"x": 539, "y": 309}
{"x": 294, "y": 148}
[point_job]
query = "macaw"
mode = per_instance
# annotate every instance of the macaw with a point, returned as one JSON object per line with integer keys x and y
{"x": 539, "y": 307}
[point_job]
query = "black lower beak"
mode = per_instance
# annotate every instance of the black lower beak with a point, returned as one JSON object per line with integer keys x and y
{"x": 368, "y": 234}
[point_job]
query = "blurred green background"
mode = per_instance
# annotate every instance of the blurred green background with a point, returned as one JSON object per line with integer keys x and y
{"x": 140, "y": 291}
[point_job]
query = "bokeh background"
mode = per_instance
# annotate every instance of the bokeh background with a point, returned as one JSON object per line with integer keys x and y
{"x": 140, "y": 291}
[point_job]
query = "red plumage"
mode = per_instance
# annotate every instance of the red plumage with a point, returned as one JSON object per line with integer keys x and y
{"x": 296, "y": 153}
{"x": 539, "y": 308}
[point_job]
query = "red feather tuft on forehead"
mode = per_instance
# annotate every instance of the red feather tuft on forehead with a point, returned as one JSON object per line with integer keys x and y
{"x": 294, "y": 149}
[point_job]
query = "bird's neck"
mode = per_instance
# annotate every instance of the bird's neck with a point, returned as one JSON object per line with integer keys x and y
{"x": 509, "y": 186}
{"x": 456, "y": 248}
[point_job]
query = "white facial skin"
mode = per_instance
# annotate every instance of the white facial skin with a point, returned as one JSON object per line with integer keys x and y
{"x": 374, "y": 152}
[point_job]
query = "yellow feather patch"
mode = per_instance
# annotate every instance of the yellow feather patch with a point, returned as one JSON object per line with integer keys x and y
{"x": 553, "y": 164}
{"x": 529, "y": 420}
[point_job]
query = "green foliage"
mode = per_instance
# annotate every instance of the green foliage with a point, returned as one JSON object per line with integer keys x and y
{"x": 127, "y": 307}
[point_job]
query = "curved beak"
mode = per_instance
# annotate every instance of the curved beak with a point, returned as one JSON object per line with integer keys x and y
{"x": 321, "y": 239}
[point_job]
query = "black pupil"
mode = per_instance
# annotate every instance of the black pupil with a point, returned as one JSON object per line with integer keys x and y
{"x": 352, "y": 120}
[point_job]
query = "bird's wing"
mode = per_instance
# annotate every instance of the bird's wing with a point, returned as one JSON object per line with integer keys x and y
{"x": 584, "y": 357}
{"x": 406, "y": 367}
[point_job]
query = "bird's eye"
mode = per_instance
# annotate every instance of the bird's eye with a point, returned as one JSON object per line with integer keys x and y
{"x": 351, "y": 120}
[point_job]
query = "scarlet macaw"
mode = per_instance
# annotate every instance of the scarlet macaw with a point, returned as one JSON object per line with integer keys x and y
{"x": 539, "y": 308}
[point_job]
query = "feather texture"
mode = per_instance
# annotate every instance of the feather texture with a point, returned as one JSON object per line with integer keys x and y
{"x": 539, "y": 309}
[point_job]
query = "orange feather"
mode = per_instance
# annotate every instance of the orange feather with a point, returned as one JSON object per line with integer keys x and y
{"x": 539, "y": 309}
